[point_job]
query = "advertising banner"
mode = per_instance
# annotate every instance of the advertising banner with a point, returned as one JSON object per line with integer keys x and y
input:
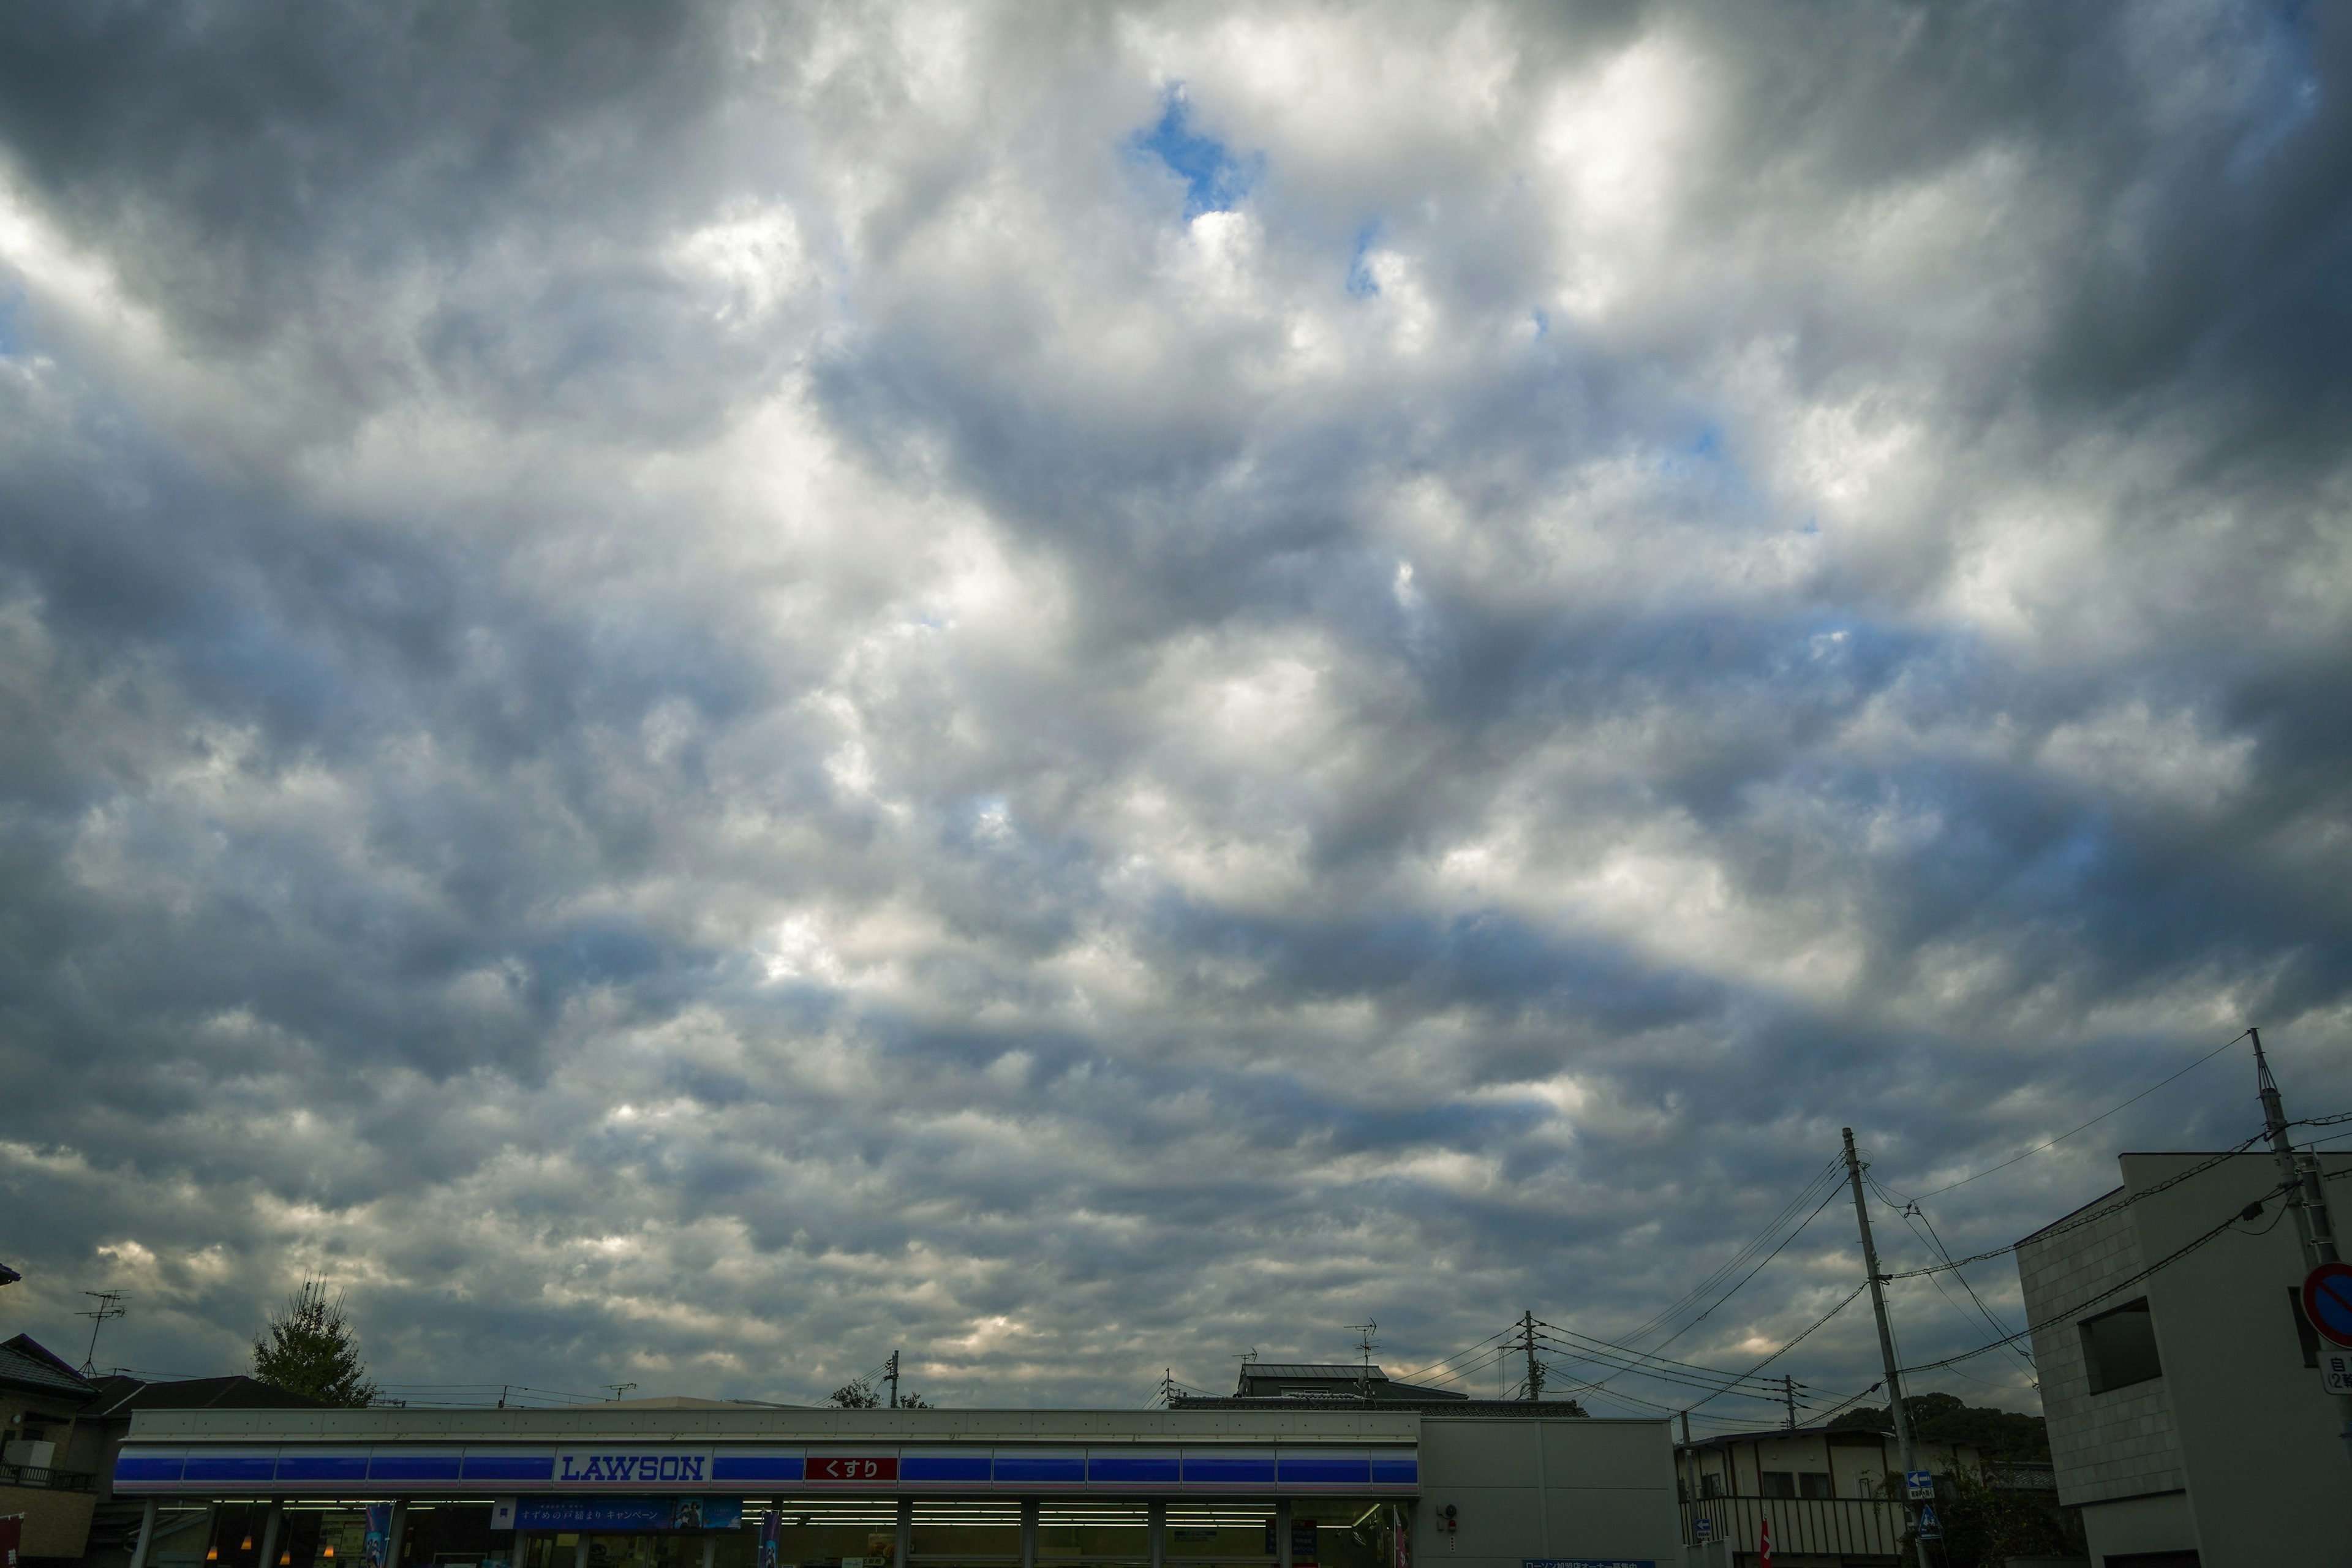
{"x": 627, "y": 1515}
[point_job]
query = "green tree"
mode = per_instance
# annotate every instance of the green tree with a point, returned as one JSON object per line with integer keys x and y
{"x": 1945, "y": 1418}
{"x": 859, "y": 1393}
{"x": 1987, "y": 1524}
{"x": 311, "y": 1348}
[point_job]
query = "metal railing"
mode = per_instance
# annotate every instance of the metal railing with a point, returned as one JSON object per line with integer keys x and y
{"x": 1861, "y": 1526}
{"x": 46, "y": 1479}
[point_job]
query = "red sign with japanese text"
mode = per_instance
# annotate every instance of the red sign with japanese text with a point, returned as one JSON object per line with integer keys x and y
{"x": 852, "y": 1468}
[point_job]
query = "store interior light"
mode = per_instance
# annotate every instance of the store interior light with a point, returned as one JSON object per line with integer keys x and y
{"x": 246, "y": 1545}
{"x": 331, "y": 1552}
{"x": 211, "y": 1554}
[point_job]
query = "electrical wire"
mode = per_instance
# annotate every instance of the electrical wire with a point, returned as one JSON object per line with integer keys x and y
{"x": 2094, "y": 1120}
{"x": 1720, "y": 1383}
{"x": 1732, "y": 1263}
{"x": 1793, "y": 1343}
{"x": 1457, "y": 1355}
{"x": 1612, "y": 1345}
{"x": 1913, "y": 1217}
{"x": 2076, "y": 1310}
{"x": 1827, "y": 1198}
{"x": 2089, "y": 1216}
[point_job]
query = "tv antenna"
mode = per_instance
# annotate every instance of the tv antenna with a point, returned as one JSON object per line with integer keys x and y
{"x": 620, "y": 1390}
{"x": 1365, "y": 1343}
{"x": 109, "y": 1306}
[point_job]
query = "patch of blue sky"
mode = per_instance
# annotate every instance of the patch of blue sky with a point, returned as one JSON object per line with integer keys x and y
{"x": 1214, "y": 180}
{"x": 1360, "y": 281}
{"x": 2283, "y": 96}
{"x": 1702, "y": 460}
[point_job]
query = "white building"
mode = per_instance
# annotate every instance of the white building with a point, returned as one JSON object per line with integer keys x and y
{"x": 2187, "y": 1418}
{"x": 1276, "y": 1483}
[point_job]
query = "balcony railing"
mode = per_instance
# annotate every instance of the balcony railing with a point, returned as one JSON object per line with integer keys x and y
{"x": 46, "y": 1479}
{"x": 1864, "y": 1527}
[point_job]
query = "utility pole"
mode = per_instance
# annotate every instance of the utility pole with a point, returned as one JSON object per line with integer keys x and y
{"x": 893, "y": 1375}
{"x": 1534, "y": 1369}
{"x": 1789, "y": 1398}
{"x": 2300, "y": 1175}
{"x": 1885, "y": 1335}
{"x": 109, "y": 1306}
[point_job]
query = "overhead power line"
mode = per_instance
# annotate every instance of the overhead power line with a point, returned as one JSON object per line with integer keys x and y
{"x": 2090, "y": 1216}
{"x": 2086, "y": 1126}
{"x": 2076, "y": 1310}
{"x": 1827, "y": 1175}
{"x": 1457, "y": 1355}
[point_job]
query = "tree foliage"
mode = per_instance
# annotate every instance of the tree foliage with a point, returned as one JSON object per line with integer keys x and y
{"x": 859, "y": 1393}
{"x": 311, "y": 1348}
{"x": 1987, "y": 1524}
{"x": 1945, "y": 1418}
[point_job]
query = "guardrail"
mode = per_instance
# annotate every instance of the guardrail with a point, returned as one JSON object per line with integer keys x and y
{"x": 1859, "y": 1526}
{"x": 47, "y": 1479}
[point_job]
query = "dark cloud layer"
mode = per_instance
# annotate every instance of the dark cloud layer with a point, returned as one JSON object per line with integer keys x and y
{"x": 688, "y": 692}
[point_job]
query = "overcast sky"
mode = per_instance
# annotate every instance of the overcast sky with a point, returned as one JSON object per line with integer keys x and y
{"x": 689, "y": 692}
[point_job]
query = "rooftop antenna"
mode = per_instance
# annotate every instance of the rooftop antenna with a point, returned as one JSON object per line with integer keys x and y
{"x": 109, "y": 1306}
{"x": 619, "y": 1390}
{"x": 1248, "y": 1360}
{"x": 1365, "y": 1343}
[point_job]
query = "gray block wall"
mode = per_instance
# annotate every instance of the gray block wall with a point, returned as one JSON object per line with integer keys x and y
{"x": 1557, "y": 1488}
{"x": 2106, "y": 1446}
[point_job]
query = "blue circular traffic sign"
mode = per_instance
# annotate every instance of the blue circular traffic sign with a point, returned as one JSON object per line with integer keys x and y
{"x": 2328, "y": 1302}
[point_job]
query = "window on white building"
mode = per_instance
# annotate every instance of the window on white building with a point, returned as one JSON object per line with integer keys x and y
{"x": 2119, "y": 1347}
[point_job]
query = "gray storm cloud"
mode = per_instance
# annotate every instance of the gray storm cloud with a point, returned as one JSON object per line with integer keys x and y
{"x": 688, "y": 692}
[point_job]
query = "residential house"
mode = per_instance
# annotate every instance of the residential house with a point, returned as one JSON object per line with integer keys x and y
{"x": 1825, "y": 1488}
{"x": 64, "y": 1432}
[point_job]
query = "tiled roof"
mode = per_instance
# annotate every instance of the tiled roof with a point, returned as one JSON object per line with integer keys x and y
{"x": 24, "y": 1364}
{"x": 121, "y": 1395}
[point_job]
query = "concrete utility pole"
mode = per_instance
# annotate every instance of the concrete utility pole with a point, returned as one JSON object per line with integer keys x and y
{"x": 893, "y": 1375}
{"x": 1535, "y": 1371}
{"x": 2304, "y": 1195}
{"x": 1789, "y": 1398}
{"x": 1886, "y": 1334}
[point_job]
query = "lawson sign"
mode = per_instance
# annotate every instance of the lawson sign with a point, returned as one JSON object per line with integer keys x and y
{"x": 624, "y": 1468}
{"x": 621, "y": 1468}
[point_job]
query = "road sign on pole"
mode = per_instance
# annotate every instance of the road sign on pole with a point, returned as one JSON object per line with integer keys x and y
{"x": 1918, "y": 1485}
{"x": 2328, "y": 1302}
{"x": 1930, "y": 1527}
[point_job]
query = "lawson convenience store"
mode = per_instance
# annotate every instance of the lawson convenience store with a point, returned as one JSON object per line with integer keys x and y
{"x": 627, "y": 1486}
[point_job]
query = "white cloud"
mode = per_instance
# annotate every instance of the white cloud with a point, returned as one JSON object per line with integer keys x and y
{"x": 688, "y": 719}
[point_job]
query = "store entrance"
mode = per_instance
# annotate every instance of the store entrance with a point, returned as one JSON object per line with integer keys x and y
{"x": 719, "y": 1548}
